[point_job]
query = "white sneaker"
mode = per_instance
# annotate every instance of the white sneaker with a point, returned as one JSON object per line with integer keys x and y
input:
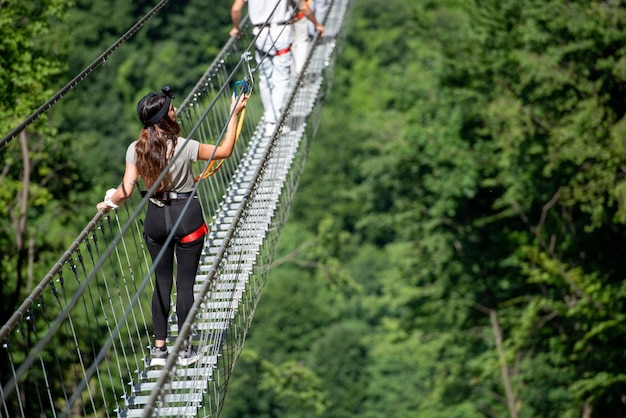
{"x": 158, "y": 357}
{"x": 188, "y": 356}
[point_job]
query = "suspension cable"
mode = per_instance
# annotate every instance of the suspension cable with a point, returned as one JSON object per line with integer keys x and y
{"x": 74, "y": 82}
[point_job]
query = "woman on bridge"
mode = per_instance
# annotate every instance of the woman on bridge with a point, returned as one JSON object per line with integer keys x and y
{"x": 147, "y": 157}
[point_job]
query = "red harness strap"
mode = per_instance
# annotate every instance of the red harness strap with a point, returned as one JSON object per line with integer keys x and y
{"x": 195, "y": 234}
{"x": 283, "y": 51}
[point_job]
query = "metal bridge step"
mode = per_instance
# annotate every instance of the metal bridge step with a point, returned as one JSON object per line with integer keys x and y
{"x": 228, "y": 267}
{"x": 230, "y": 314}
{"x": 225, "y": 277}
{"x": 173, "y": 386}
{"x": 252, "y": 245}
{"x": 182, "y": 372}
{"x": 246, "y": 256}
{"x": 225, "y": 295}
{"x": 218, "y": 231}
{"x": 183, "y": 411}
{"x": 222, "y": 286}
{"x": 215, "y": 305}
{"x": 251, "y": 211}
{"x": 216, "y": 242}
{"x": 206, "y": 326}
{"x": 171, "y": 398}
{"x": 248, "y": 233}
{"x": 231, "y": 274}
{"x": 221, "y": 220}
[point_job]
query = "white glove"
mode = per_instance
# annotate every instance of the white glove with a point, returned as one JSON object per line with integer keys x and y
{"x": 107, "y": 198}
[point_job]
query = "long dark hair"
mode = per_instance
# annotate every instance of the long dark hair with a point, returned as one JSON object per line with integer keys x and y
{"x": 151, "y": 151}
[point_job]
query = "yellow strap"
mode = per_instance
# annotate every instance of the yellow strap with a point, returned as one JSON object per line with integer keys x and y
{"x": 213, "y": 167}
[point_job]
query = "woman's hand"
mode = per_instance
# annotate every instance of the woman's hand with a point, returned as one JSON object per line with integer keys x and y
{"x": 103, "y": 207}
{"x": 107, "y": 204}
{"x": 235, "y": 32}
{"x": 238, "y": 103}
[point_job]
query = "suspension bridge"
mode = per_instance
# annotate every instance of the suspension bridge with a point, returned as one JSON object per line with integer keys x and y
{"x": 79, "y": 344}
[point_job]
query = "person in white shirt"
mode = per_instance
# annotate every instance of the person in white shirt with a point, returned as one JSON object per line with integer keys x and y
{"x": 271, "y": 21}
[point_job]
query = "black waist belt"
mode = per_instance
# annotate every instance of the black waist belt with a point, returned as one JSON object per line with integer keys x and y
{"x": 169, "y": 195}
{"x": 260, "y": 25}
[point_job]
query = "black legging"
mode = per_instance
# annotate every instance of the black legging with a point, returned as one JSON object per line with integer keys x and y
{"x": 157, "y": 227}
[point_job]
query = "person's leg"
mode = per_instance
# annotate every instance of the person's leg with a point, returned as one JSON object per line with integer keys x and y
{"x": 262, "y": 55}
{"x": 161, "y": 296}
{"x": 187, "y": 254}
{"x": 155, "y": 232}
{"x": 280, "y": 79}
{"x": 187, "y": 259}
{"x": 299, "y": 46}
{"x": 274, "y": 71}
{"x": 265, "y": 90}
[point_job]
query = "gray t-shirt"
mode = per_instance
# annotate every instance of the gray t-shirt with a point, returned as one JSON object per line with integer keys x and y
{"x": 185, "y": 154}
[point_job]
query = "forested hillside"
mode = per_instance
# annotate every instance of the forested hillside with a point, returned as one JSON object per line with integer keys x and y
{"x": 454, "y": 249}
{"x": 455, "y": 245}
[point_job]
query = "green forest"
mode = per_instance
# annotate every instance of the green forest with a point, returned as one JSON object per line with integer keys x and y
{"x": 454, "y": 246}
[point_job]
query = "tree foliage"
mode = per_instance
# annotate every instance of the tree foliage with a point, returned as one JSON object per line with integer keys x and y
{"x": 473, "y": 153}
{"x": 32, "y": 58}
{"x": 454, "y": 247}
